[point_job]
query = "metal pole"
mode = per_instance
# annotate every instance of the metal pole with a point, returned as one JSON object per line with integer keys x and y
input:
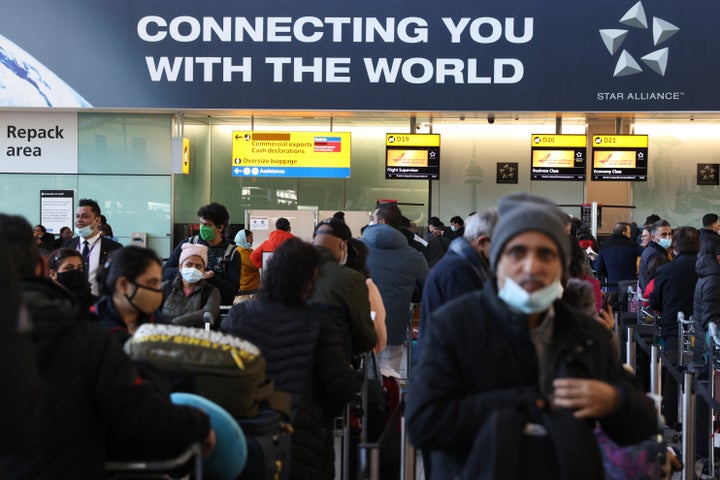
{"x": 593, "y": 220}
{"x": 655, "y": 370}
{"x": 407, "y": 454}
{"x": 369, "y": 462}
{"x": 688, "y": 444}
{"x": 630, "y": 349}
{"x": 346, "y": 445}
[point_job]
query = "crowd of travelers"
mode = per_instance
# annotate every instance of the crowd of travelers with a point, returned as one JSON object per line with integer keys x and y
{"x": 515, "y": 374}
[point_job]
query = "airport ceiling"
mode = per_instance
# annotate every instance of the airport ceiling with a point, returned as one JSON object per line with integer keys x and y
{"x": 368, "y": 118}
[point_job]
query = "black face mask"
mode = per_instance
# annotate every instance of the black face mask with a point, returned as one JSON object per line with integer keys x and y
{"x": 75, "y": 282}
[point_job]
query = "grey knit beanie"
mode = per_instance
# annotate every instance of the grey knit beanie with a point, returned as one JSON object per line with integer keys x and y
{"x": 524, "y": 213}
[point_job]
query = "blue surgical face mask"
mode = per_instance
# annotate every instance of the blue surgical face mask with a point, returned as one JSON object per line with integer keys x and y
{"x": 665, "y": 243}
{"x": 84, "y": 231}
{"x": 453, "y": 228}
{"x": 538, "y": 301}
{"x": 191, "y": 275}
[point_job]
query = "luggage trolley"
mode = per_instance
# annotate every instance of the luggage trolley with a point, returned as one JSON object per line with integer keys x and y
{"x": 649, "y": 318}
{"x": 713, "y": 345}
{"x": 686, "y": 343}
{"x": 187, "y": 465}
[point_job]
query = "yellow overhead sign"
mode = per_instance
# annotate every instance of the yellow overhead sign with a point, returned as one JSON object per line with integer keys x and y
{"x": 559, "y": 141}
{"x": 412, "y": 140}
{"x": 620, "y": 141}
{"x": 290, "y": 154}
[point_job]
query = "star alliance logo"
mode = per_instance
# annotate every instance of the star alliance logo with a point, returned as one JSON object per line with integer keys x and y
{"x": 656, "y": 60}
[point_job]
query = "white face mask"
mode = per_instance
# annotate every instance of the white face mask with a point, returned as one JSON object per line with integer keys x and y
{"x": 538, "y": 301}
{"x": 84, "y": 231}
{"x": 191, "y": 275}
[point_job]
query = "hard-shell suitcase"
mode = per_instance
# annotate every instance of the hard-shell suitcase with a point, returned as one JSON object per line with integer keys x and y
{"x": 268, "y": 446}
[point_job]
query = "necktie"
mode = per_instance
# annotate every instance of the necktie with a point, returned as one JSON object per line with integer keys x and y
{"x": 85, "y": 251}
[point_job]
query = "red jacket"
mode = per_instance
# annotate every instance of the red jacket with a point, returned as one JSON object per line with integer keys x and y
{"x": 276, "y": 238}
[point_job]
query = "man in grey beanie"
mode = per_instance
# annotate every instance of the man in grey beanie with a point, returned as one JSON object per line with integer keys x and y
{"x": 512, "y": 359}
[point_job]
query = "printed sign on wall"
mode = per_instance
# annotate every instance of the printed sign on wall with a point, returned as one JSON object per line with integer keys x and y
{"x": 38, "y": 142}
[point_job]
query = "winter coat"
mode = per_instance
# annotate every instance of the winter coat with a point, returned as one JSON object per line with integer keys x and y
{"x": 617, "y": 260}
{"x": 651, "y": 251}
{"x": 394, "y": 267}
{"x": 706, "y": 303}
{"x": 275, "y": 239}
{"x": 674, "y": 292}
{"x": 249, "y": 272}
{"x": 304, "y": 356}
{"x": 93, "y": 397}
{"x": 344, "y": 292}
{"x": 706, "y": 299}
{"x": 189, "y": 310}
{"x": 478, "y": 358}
{"x": 462, "y": 270}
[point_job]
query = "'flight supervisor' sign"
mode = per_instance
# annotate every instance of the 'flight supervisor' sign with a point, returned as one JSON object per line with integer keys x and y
{"x": 291, "y": 154}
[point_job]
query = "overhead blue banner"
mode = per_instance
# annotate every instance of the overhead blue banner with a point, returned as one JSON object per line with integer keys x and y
{"x": 509, "y": 55}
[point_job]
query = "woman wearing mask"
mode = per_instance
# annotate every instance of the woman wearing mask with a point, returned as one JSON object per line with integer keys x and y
{"x": 249, "y": 272}
{"x": 188, "y": 297}
{"x": 66, "y": 268}
{"x": 130, "y": 283}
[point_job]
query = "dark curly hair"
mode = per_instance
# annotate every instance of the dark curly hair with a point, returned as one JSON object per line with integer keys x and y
{"x": 216, "y": 213}
{"x": 289, "y": 274}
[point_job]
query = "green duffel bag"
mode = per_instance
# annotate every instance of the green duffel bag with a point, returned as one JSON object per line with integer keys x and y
{"x": 223, "y": 368}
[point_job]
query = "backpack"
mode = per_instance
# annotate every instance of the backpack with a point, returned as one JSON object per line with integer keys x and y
{"x": 230, "y": 251}
{"x": 223, "y": 368}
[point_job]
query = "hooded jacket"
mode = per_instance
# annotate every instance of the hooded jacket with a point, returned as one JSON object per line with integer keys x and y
{"x": 652, "y": 250}
{"x": 394, "y": 267}
{"x": 275, "y": 239}
{"x": 93, "y": 397}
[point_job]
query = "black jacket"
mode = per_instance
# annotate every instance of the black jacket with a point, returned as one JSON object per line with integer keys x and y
{"x": 478, "y": 358}
{"x": 674, "y": 291}
{"x": 305, "y": 358}
{"x": 106, "y": 247}
{"x": 652, "y": 250}
{"x": 706, "y": 300}
{"x": 93, "y": 396}
{"x": 106, "y": 314}
{"x": 617, "y": 260}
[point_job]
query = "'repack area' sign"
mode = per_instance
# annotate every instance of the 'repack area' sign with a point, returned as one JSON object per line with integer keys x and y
{"x": 38, "y": 143}
{"x": 340, "y": 54}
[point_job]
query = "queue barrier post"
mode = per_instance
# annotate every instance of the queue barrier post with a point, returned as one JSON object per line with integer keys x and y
{"x": 688, "y": 441}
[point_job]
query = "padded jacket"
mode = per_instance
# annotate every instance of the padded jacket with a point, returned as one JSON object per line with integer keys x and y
{"x": 478, "y": 358}
{"x": 674, "y": 292}
{"x": 394, "y": 267}
{"x": 461, "y": 271}
{"x": 93, "y": 398}
{"x": 304, "y": 356}
{"x": 275, "y": 239}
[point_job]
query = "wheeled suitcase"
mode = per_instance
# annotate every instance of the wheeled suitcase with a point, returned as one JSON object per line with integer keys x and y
{"x": 268, "y": 446}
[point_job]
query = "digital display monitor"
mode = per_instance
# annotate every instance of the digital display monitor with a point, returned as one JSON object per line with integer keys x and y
{"x": 620, "y": 158}
{"x": 557, "y": 157}
{"x": 412, "y": 156}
